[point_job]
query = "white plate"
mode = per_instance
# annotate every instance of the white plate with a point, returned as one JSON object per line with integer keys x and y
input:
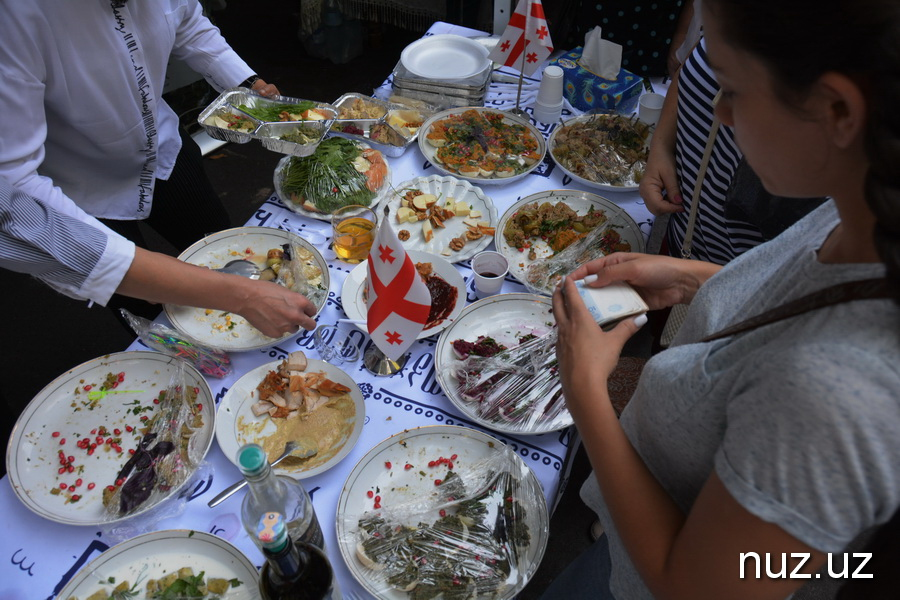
{"x": 235, "y": 409}
{"x": 375, "y": 205}
{"x": 214, "y": 251}
{"x": 398, "y": 485}
{"x": 551, "y": 144}
{"x": 508, "y": 118}
{"x": 502, "y": 317}
{"x": 580, "y": 202}
{"x": 32, "y": 460}
{"x": 445, "y": 56}
{"x": 444, "y": 187}
{"x": 156, "y": 554}
{"x": 354, "y": 301}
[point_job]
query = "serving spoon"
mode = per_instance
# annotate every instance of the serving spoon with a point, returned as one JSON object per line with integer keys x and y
{"x": 241, "y": 267}
{"x": 289, "y": 449}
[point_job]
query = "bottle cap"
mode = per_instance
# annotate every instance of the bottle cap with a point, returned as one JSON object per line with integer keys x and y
{"x": 272, "y": 531}
{"x": 251, "y": 458}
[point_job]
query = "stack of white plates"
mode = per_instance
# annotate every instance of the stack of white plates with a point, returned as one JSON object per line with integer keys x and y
{"x": 444, "y": 70}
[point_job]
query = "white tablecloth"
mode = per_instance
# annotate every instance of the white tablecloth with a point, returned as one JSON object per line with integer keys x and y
{"x": 39, "y": 556}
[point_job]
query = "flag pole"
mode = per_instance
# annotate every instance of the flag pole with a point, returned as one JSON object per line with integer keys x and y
{"x": 517, "y": 110}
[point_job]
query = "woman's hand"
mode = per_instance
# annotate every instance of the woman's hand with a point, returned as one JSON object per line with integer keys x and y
{"x": 659, "y": 185}
{"x": 275, "y": 310}
{"x": 587, "y": 355}
{"x": 662, "y": 281}
{"x": 265, "y": 89}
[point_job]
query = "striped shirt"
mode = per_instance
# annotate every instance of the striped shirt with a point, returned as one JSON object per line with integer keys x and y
{"x": 81, "y": 259}
{"x": 716, "y": 238}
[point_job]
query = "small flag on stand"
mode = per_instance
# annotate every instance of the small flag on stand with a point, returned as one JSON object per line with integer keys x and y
{"x": 525, "y": 42}
{"x": 398, "y": 300}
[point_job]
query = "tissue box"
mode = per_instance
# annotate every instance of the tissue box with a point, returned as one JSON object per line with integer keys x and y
{"x": 586, "y": 91}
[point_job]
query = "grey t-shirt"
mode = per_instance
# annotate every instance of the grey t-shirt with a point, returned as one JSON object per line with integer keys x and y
{"x": 799, "y": 419}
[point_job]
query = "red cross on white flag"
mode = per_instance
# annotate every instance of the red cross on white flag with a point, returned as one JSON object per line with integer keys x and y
{"x": 525, "y": 42}
{"x": 398, "y": 299}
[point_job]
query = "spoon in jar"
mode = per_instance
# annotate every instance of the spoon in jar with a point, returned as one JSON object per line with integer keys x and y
{"x": 290, "y": 448}
{"x": 241, "y": 267}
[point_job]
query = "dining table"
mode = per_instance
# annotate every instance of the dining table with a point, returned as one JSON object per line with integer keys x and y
{"x": 40, "y": 555}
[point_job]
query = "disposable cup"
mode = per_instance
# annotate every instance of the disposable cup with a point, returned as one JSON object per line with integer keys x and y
{"x": 550, "y": 91}
{"x": 650, "y": 107}
{"x": 489, "y": 268}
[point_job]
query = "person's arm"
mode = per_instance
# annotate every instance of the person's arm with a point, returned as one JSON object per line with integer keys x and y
{"x": 269, "y": 307}
{"x": 659, "y": 185}
{"x": 694, "y": 555}
{"x": 683, "y": 28}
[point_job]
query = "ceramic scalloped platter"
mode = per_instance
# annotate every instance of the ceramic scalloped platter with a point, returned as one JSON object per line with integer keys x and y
{"x": 353, "y": 299}
{"x": 580, "y": 202}
{"x": 156, "y": 554}
{"x": 376, "y": 203}
{"x": 234, "y": 410}
{"x": 429, "y": 151}
{"x": 214, "y": 251}
{"x": 445, "y": 187}
{"x": 445, "y": 56}
{"x": 504, "y": 317}
{"x": 400, "y": 485}
{"x": 631, "y": 186}
{"x": 32, "y": 458}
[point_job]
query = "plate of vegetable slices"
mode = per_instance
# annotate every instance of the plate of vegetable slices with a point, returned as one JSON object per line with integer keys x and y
{"x": 490, "y": 361}
{"x": 447, "y": 287}
{"x": 542, "y": 224}
{"x": 606, "y": 151}
{"x": 442, "y": 508}
{"x": 482, "y": 145}
{"x": 70, "y": 445}
{"x": 173, "y": 563}
{"x": 330, "y": 424}
{"x": 340, "y": 172}
{"x": 442, "y": 215}
{"x": 302, "y": 268}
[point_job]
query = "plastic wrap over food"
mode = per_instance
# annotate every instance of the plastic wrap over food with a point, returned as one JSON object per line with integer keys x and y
{"x": 300, "y": 273}
{"x": 169, "y": 452}
{"x": 517, "y": 386}
{"x": 603, "y": 148}
{"x": 542, "y": 276}
{"x": 211, "y": 362}
{"x": 467, "y": 539}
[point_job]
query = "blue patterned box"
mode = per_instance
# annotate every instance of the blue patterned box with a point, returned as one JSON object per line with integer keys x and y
{"x": 587, "y": 91}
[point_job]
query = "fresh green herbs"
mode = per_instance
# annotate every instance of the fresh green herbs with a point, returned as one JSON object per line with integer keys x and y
{"x": 327, "y": 178}
{"x": 278, "y": 112}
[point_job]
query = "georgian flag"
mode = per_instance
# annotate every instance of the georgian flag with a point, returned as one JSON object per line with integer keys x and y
{"x": 398, "y": 300}
{"x": 525, "y": 42}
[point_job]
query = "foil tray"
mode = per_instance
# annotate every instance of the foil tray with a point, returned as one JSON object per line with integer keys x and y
{"x": 387, "y": 125}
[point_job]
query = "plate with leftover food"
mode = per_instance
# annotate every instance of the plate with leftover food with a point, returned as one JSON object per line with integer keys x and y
{"x": 447, "y": 287}
{"x": 542, "y": 225}
{"x": 442, "y": 215}
{"x": 442, "y": 508}
{"x": 497, "y": 364}
{"x": 483, "y": 145}
{"x": 282, "y": 257}
{"x": 173, "y": 563}
{"x": 307, "y": 401}
{"x": 340, "y": 172}
{"x": 73, "y": 456}
{"x": 445, "y": 56}
{"x": 606, "y": 151}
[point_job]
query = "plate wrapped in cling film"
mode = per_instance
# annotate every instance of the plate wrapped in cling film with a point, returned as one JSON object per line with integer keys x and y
{"x": 166, "y": 452}
{"x": 467, "y": 538}
{"x": 295, "y": 268}
{"x": 542, "y": 276}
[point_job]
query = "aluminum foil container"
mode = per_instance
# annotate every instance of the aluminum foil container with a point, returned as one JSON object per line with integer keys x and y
{"x": 229, "y": 103}
{"x": 271, "y": 136}
{"x": 391, "y": 136}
